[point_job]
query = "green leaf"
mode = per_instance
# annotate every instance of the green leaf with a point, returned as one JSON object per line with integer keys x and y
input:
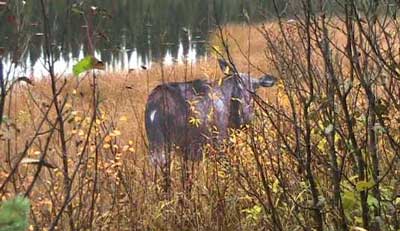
{"x": 77, "y": 10}
{"x": 14, "y": 214}
{"x": 372, "y": 201}
{"x": 275, "y": 186}
{"x": 358, "y": 220}
{"x": 88, "y": 63}
{"x": 253, "y": 213}
{"x": 5, "y": 119}
{"x": 364, "y": 185}
{"x": 349, "y": 200}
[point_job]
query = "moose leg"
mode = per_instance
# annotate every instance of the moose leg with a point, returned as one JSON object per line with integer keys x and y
{"x": 185, "y": 175}
{"x": 160, "y": 157}
{"x": 166, "y": 170}
{"x": 191, "y": 153}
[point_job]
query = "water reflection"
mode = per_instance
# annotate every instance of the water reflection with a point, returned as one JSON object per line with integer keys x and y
{"x": 123, "y": 60}
{"x": 133, "y": 33}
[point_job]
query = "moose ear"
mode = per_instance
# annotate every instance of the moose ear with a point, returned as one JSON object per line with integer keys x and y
{"x": 225, "y": 67}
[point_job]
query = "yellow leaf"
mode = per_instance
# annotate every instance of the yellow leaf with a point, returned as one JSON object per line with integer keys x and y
{"x": 77, "y": 119}
{"x": 115, "y": 133}
{"x": 59, "y": 174}
{"x": 356, "y": 228}
{"x": 227, "y": 70}
{"x": 107, "y": 139}
{"x": 125, "y": 148}
{"x": 397, "y": 201}
{"x": 194, "y": 121}
{"x": 106, "y": 146}
{"x": 216, "y": 49}
{"x": 220, "y": 82}
{"x": 123, "y": 118}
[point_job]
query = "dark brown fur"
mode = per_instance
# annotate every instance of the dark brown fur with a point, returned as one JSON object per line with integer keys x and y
{"x": 190, "y": 114}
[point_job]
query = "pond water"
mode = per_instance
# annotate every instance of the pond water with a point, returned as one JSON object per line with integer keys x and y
{"x": 127, "y": 33}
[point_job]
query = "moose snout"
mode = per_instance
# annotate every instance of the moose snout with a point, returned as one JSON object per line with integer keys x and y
{"x": 267, "y": 81}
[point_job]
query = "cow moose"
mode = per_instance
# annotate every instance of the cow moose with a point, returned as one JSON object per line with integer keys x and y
{"x": 187, "y": 115}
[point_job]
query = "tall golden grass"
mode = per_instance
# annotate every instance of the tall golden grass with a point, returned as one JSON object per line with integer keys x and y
{"x": 129, "y": 188}
{"x": 128, "y": 194}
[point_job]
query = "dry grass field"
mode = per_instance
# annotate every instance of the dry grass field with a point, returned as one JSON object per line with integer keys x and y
{"x": 128, "y": 192}
{"x": 259, "y": 184}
